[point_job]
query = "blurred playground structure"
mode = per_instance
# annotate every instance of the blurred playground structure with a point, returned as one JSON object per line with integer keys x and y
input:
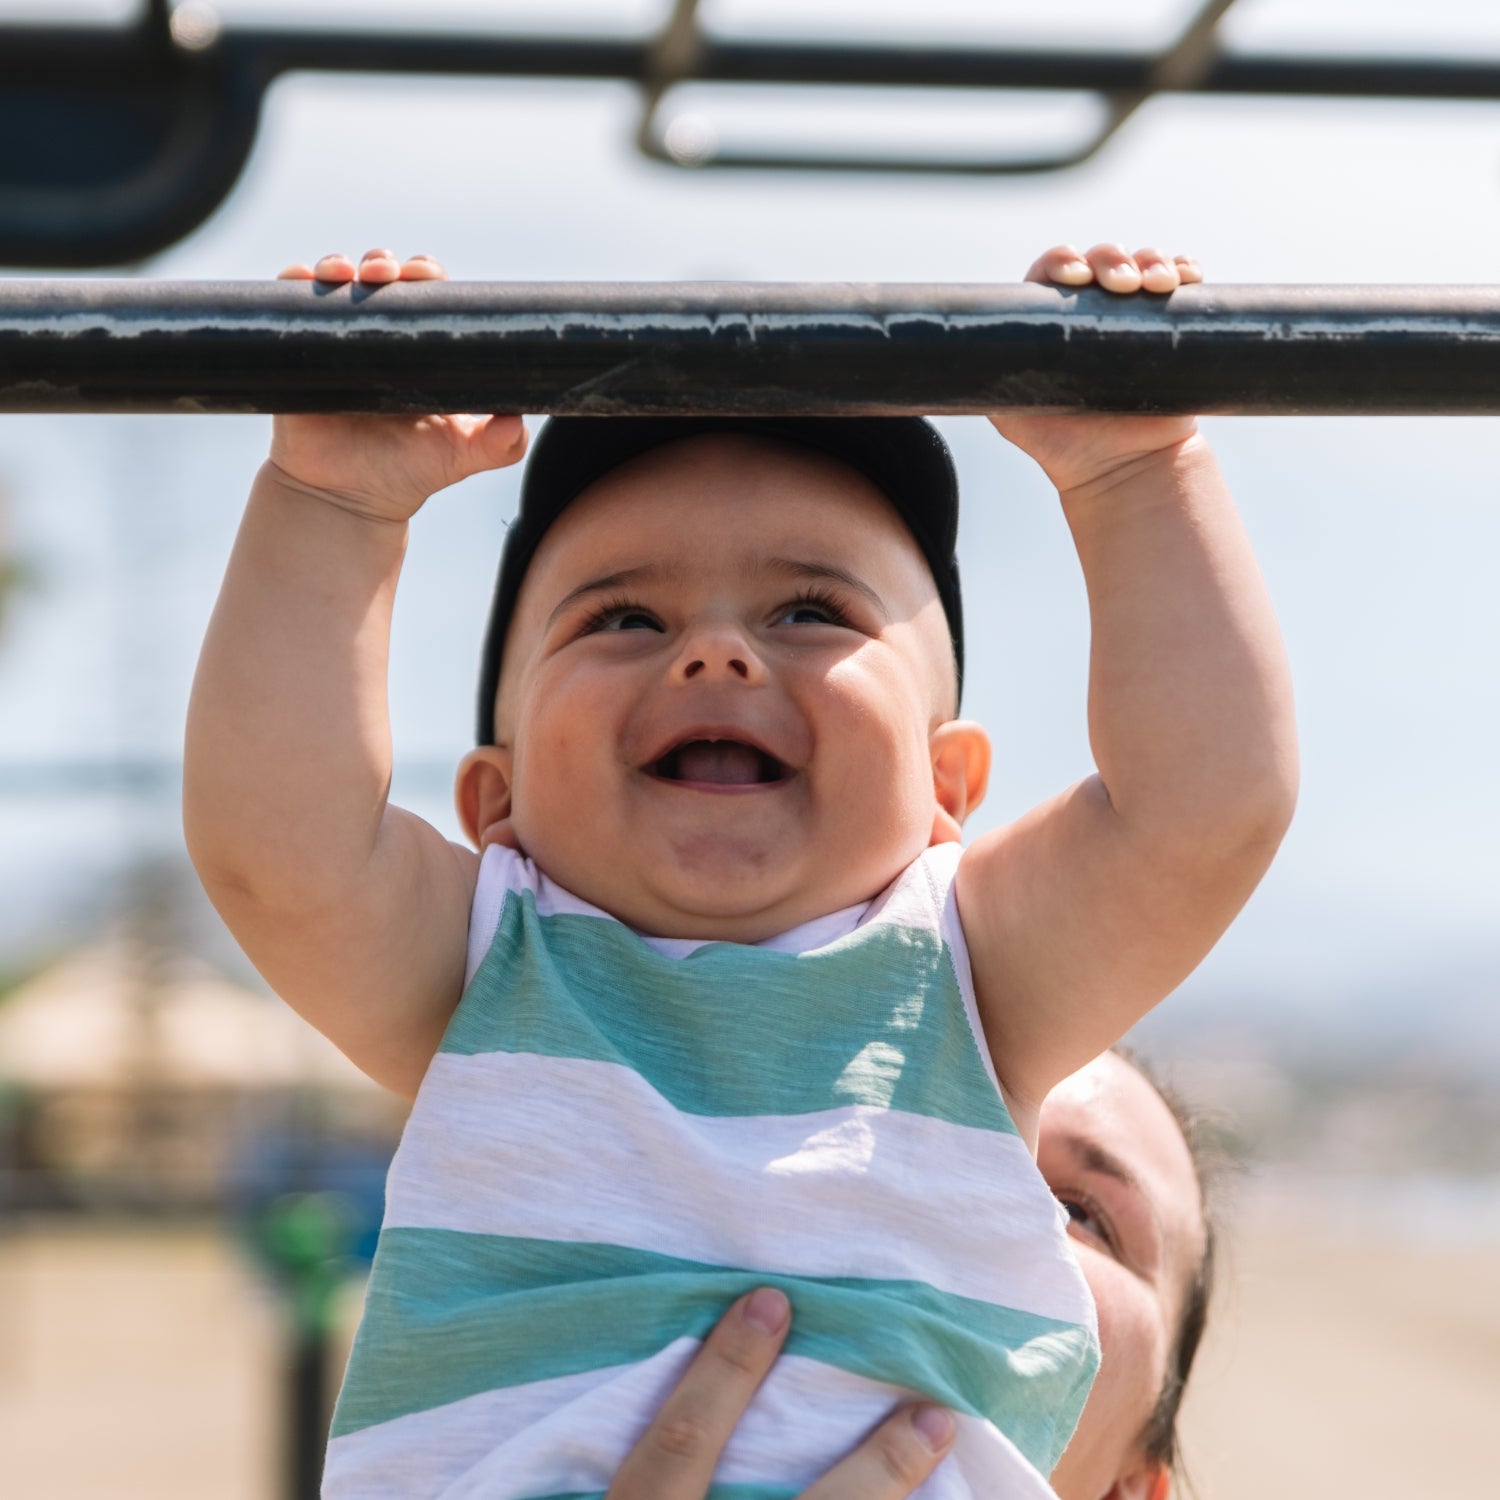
{"x": 157, "y": 1116}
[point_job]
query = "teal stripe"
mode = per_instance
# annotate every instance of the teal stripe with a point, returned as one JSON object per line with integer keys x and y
{"x": 449, "y": 1315}
{"x": 875, "y": 1018}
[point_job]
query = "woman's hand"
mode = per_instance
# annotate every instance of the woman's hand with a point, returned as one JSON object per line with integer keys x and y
{"x": 386, "y": 466}
{"x": 1086, "y": 450}
{"x": 675, "y": 1459}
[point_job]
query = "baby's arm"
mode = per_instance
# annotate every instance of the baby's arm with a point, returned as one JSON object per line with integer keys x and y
{"x": 355, "y": 911}
{"x": 1087, "y": 911}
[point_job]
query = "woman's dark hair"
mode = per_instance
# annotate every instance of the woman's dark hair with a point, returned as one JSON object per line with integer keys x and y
{"x": 1209, "y": 1165}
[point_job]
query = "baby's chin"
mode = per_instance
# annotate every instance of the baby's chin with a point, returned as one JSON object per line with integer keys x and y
{"x": 729, "y": 904}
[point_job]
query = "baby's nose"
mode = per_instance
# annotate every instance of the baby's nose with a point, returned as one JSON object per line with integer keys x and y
{"x": 699, "y": 665}
{"x": 718, "y": 652}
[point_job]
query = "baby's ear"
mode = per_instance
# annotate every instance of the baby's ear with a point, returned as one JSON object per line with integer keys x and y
{"x": 481, "y": 793}
{"x": 960, "y": 775}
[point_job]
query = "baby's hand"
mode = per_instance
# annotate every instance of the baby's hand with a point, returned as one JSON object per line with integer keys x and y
{"x": 386, "y": 466}
{"x": 1085, "y": 448}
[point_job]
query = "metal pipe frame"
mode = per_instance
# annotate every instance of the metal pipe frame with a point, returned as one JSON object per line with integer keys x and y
{"x": 87, "y": 55}
{"x": 176, "y": 100}
{"x": 744, "y": 348}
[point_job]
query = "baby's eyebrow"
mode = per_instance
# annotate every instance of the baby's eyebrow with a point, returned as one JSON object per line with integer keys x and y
{"x": 607, "y": 581}
{"x": 797, "y": 567}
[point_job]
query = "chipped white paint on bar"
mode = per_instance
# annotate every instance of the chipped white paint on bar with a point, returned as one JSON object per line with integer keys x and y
{"x": 502, "y": 311}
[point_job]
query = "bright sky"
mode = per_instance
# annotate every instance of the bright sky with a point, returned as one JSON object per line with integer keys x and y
{"x": 1379, "y": 537}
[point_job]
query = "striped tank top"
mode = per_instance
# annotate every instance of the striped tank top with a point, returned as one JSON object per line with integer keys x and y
{"x": 620, "y": 1135}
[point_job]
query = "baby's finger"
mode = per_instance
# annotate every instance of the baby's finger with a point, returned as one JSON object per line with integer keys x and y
{"x": 675, "y": 1458}
{"x": 1158, "y": 274}
{"x": 301, "y": 271}
{"x": 504, "y": 440}
{"x": 422, "y": 268}
{"x": 1114, "y": 268}
{"x": 1062, "y": 265}
{"x": 377, "y": 267}
{"x": 485, "y": 442}
{"x": 334, "y": 267}
{"x": 1188, "y": 269}
{"x": 893, "y": 1460}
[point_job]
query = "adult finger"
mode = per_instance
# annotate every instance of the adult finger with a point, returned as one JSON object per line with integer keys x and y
{"x": 1062, "y": 265}
{"x": 675, "y": 1458}
{"x": 1114, "y": 268}
{"x": 893, "y": 1460}
{"x": 1158, "y": 274}
{"x": 422, "y": 268}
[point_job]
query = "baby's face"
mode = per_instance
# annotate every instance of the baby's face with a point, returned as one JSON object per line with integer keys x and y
{"x": 725, "y": 676}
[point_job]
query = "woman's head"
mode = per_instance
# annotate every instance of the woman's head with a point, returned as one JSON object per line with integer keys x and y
{"x": 1118, "y": 1155}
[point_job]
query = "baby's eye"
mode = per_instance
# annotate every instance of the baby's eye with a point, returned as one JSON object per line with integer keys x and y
{"x": 616, "y": 617}
{"x": 633, "y": 619}
{"x": 811, "y": 611}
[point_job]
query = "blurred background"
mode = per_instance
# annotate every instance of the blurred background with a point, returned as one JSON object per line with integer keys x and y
{"x": 189, "y": 1178}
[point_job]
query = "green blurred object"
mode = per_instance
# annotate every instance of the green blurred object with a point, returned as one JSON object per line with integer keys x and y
{"x": 307, "y": 1241}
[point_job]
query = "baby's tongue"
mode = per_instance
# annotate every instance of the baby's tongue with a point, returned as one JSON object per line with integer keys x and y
{"x": 718, "y": 760}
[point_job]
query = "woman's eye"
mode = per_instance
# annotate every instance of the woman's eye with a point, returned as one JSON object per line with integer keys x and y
{"x": 1081, "y": 1216}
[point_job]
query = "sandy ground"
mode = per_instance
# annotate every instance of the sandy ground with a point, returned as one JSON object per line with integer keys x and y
{"x": 141, "y": 1363}
{"x": 1341, "y": 1367}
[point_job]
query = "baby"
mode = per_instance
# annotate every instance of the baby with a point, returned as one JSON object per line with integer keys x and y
{"x": 721, "y": 1003}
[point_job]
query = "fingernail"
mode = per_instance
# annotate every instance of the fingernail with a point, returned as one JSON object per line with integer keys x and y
{"x": 934, "y": 1426}
{"x": 768, "y": 1310}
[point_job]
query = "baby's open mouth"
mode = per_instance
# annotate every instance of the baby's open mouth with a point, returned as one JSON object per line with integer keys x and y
{"x": 724, "y": 762}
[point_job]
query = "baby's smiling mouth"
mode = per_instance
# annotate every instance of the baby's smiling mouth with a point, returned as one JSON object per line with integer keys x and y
{"x": 718, "y": 763}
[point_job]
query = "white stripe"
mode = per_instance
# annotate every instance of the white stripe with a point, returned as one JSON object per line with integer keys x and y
{"x": 490, "y": 890}
{"x": 951, "y": 929}
{"x": 590, "y": 1152}
{"x": 572, "y": 1433}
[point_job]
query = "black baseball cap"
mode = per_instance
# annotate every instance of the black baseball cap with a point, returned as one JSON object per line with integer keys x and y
{"x": 903, "y": 457}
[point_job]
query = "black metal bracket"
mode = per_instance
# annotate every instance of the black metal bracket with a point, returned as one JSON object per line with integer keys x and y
{"x": 679, "y": 54}
{"x": 116, "y": 142}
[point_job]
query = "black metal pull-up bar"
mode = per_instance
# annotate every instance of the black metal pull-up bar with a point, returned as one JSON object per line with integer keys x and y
{"x": 743, "y": 348}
